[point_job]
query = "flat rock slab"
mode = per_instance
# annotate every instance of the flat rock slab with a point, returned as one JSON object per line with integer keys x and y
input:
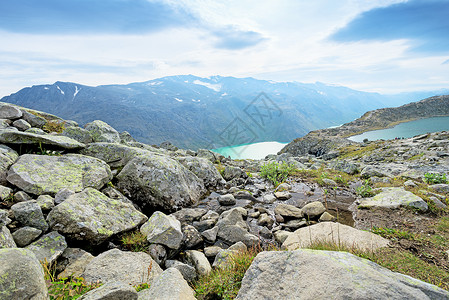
{"x": 337, "y": 233}
{"x": 94, "y": 217}
{"x": 394, "y": 197}
{"x": 314, "y": 274}
{"x": 18, "y": 137}
{"x": 42, "y": 174}
{"x": 128, "y": 267}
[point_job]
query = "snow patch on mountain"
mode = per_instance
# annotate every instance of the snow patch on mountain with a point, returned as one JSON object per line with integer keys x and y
{"x": 62, "y": 92}
{"x": 215, "y": 87}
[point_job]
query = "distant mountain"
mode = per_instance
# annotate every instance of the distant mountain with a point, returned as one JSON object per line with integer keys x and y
{"x": 194, "y": 112}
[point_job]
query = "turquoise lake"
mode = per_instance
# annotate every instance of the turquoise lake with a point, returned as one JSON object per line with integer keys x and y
{"x": 405, "y": 130}
{"x": 251, "y": 151}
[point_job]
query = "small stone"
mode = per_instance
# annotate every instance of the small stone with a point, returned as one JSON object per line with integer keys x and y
{"x": 313, "y": 209}
{"x": 21, "y": 124}
{"x": 4, "y": 219}
{"x": 210, "y": 235}
{"x": 212, "y": 251}
{"x": 288, "y": 211}
{"x": 111, "y": 290}
{"x": 226, "y": 200}
{"x": 191, "y": 237}
{"x": 25, "y": 235}
{"x": 329, "y": 182}
{"x": 46, "y": 202}
{"x": 281, "y": 235}
{"x": 410, "y": 183}
{"x": 5, "y": 192}
{"x": 254, "y": 214}
{"x": 199, "y": 261}
{"x": 163, "y": 229}
{"x": 265, "y": 233}
{"x": 265, "y": 220}
{"x": 285, "y": 195}
{"x": 279, "y": 218}
{"x": 74, "y": 262}
{"x": 21, "y": 196}
{"x": 268, "y": 198}
{"x": 326, "y": 217}
{"x": 283, "y": 187}
{"x": 188, "y": 272}
{"x": 158, "y": 253}
{"x": 295, "y": 224}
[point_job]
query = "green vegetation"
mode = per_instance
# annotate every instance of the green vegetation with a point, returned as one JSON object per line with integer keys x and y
{"x": 355, "y": 151}
{"x": 276, "y": 173}
{"x": 341, "y": 178}
{"x": 365, "y": 190}
{"x": 225, "y": 282}
{"x": 134, "y": 241}
{"x": 395, "y": 234}
{"x": 65, "y": 288}
{"x": 54, "y": 126}
{"x": 433, "y": 178}
{"x": 416, "y": 157}
{"x": 220, "y": 168}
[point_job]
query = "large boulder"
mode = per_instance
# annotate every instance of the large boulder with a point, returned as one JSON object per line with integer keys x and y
{"x": 7, "y": 158}
{"x": 159, "y": 182}
{"x": 163, "y": 229}
{"x": 313, "y": 274}
{"x": 394, "y": 197}
{"x": 115, "y": 155}
{"x": 232, "y": 228}
{"x": 90, "y": 215}
{"x": 77, "y": 133}
{"x": 204, "y": 169}
{"x": 9, "y": 112}
{"x": 49, "y": 247}
{"x": 170, "y": 285}
{"x": 42, "y": 174}
{"x": 21, "y": 275}
{"x": 73, "y": 262}
{"x": 102, "y": 132}
{"x": 8, "y": 136}
{"x": 25, "y": 235}
{"x": 128, "y": 267}
{"x": 337, "y": 233}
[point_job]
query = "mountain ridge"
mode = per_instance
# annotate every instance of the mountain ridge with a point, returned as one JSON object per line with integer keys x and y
{"x": 192, "y": 112}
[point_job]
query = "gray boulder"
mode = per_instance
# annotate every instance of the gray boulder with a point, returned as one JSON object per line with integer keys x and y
{"x": 111, "y": 291}
{"x": 102, "y": 132}
{"x": 92, "y": 216}
{"x": 226, "y": 200}
{"x": 204, "y": 169}
{"x": 232, "y": 228}
{"x": 370, "y": 171}
{"x": 46, "y": 202}
{"x": 128, "y": 267}
{"x": 44, "y": 140}
{"x": 335, "y": 233}
{"x": 394, "y": 197}
{"x": 115, "y": 155}
{"x": 22, "y": 276}
{"x": 49, "y": 247}
{"x": 345, "y": 166}
{"x": 33, "y": 119}
{"x": 163, "y": 229}
{"x": 231, "y": 172}
{"x": 7, "y": 158}
{"x": 78, "y": 134}
{"x": 6, "y": 239}
{"x": 170, "y": 285}
{"x": 336, "y": 275}
{"x": 42, "y": 174}
{"x": 213, "y": 157}
{"x": 5, "y": 192}
{"x": 9, "y": 112}
{"x": 440, "y": 188}
{"x": 62, "y": 195}
{"x": 159, "y": 182}
{"x": 188, "y": 215}
{"x": 29, "y": 213}
{"x": 25, "y": 235}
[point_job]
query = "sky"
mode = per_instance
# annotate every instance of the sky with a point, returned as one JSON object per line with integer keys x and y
{"x": 385, "y": 46}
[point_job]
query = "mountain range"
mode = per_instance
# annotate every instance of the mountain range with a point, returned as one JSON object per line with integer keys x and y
{"x": 194, "y": 112}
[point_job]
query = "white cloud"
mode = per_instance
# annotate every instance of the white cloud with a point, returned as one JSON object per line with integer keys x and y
{"x": 295, "y": 49}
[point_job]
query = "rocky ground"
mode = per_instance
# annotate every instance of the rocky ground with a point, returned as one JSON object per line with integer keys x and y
{"x": 94, "y": 203}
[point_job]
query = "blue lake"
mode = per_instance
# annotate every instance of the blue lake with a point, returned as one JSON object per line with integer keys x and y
{"x": 405, "y": 130}
{"x": 251, "y": 151}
